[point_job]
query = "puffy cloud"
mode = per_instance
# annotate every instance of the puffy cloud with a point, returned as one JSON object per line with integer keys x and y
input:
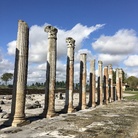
{"x": 38, "y": 50}
{"x": 121, "y": 43}
{"x": 38, "y": 41}
{"x": 88, "y": 52}
{"x": 131, "y": 61}
{"x": 5, "y": 66}
{"x": 111, "y": 59}
{"x": 11, "y": 47}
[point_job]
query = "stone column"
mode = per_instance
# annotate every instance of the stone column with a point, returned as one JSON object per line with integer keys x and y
{"x": 92, "y": 84}
{"x": 70, "y": 75}
{"x": 117, "y": 85}
{"x": 20, "y": 75}
{"x": 49, "y": 108}
{"x": 82, "y": 94}
{"x": 110, "y": 83}
{"x": 120, "y": 83}
{"x": 100, "y": 82}
{"x": 106, "y": 95}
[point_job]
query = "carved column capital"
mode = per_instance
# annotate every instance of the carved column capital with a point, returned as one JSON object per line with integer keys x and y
{"x": 100, "y": 62}
{"x": 70, "y": 42}
{"x": 52, "y": 31}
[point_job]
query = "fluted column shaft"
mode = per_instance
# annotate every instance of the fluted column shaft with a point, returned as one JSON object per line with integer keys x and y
{"x": 110, "y": 83}
{"x": 117, "y": 84}
{"x": 100, "y": 82}
{"x": 82, "y": 97}
{"x": 120, "y": 82}
{"x": 106, "y": 95}
{"x": 92, "y": 84}
{"x": 20, "y": 74}
{"x": 49, "y": 109}
{"x": 70, "y": 74}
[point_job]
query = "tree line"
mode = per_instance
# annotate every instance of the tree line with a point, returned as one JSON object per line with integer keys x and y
{"x": 132, "y": 82}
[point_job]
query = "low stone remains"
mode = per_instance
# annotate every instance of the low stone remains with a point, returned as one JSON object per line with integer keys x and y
{"x": 103, "y": 92}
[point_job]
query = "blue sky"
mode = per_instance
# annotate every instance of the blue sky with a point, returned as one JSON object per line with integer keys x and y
{"x": 106, "y": 30}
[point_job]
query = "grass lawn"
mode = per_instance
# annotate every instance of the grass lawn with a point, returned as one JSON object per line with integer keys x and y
{"x": 135, "y": 97}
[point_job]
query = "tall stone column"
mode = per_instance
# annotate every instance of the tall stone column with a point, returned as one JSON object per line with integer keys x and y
{"x": 117, "y": 85}
{"x": 110, "y": 83}
{"x": 82, "y": 94}
{"x": 70, "y": 75}
{"x": 106, "y": 95}
{"x": 92, "y": 84}
{"x": 100, "y": 82}
{"x": 120, "y": 83}
{"x": 49, "y": 108}
{"x": 20, "y": 75}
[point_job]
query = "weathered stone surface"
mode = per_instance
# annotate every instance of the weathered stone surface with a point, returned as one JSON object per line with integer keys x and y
{"x": 118, "y": 85}
{"x": 70, "y": 75}
{"x": 4, "y": 115}
{"x": 83, "y": 75}
{"x": 2, "y": 102}
{"x": 0, "y": 110}
{"x": 111, "y": 95}
{"x": 106, "y": 86}
{"x": 92, "y": 99}
{"x": 100, "y": 83}
{"x": 115, "y": 120}
{"x": 49, "y": 108}
{"x": 20, "y": 74}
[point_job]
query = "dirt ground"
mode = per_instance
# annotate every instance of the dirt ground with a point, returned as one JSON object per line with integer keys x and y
{"x": 116, "y": 120}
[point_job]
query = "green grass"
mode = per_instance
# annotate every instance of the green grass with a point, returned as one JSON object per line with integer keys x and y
{"x": 135, "y": 97}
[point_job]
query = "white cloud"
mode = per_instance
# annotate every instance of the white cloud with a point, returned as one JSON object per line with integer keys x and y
{"x": 88, "y": 52}
{"x": 131, "y": 61}
{"x": 38, "y": 41}
{"x": 111, "y": 59}
{"x": 121, "y": 43}
{"x": 11, "y": 47}
{"x": 5, "y": 66}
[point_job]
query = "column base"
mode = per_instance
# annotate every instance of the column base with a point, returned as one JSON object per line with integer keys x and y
{"x": 49, "y": 115}
{"x": 93, "y": 105}
{"x": 71, "y": 110}
{"x": 84, "y": 107}
{"x": 19, "y": 123}
{"x": 68, "y": 109}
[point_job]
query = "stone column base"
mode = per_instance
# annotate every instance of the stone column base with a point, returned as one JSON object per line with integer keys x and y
{"x": 51, "y": 114}
{"x": 83, "y": 107}
{"x": 18, "y": 123}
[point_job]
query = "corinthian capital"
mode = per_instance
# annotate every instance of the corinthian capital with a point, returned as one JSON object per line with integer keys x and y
{"x": 52, "y": 31}
{"x": 70, "y": 42}
{"x": 100, "y": 62}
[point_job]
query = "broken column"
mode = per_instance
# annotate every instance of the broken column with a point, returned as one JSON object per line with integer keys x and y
{"x": 20, "y": 75}
{"x": 82, "y": 91}
{"x": 117, "y": 84}
{"x": 110, "y": 71}
{"x": 92, "y": 84}
{"x": 100, "y": 82}
{"x": 70, "y": 75}
{"x": 106, "y": 95}
{"x": 49, "y": 107}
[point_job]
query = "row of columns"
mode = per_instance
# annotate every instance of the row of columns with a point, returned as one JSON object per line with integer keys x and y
{"x": 17, "y": 117}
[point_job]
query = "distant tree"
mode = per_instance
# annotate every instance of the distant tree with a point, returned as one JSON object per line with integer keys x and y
{"x": 6, "y": 77}
{"x": 132, "y": 81}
